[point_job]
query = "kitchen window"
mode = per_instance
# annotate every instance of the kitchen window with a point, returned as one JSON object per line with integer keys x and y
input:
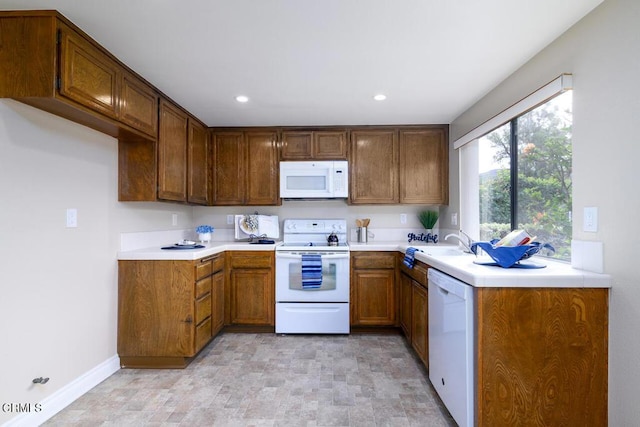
{"x": 518, "y": 176}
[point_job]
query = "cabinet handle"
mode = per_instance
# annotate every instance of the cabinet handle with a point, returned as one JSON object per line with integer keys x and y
{"x": 189, "y": 319}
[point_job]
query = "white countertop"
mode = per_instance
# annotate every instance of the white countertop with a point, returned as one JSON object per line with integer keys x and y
{"x": 555, "y": 274}
{"x": 212, "y": 248}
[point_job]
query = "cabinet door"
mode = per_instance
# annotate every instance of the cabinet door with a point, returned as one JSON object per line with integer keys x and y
{"x": 424, "y": 166}
{"x": 373, "y": 297}
{"x": 139, "y": 105}
{"x": 217, "y": 303}
{"x": 314, "y": 145}
{"x": 252, "y": 296}
{"x": 229, "y": 178}
{"x": 554, "y": 341}
{"x": 262, "y": 169}
{"x": 87, "y": 75}
{"x": 198, "y": 170}
{"x": 374, "y": 167}
{"x": 172, "y": 153}
{"x": 329, "y": 145}
{"x": 296, "y": 145}
{"x": 406, "y": 290}
{"x": 156, "y": 309}
{"x": 419, "y": 324}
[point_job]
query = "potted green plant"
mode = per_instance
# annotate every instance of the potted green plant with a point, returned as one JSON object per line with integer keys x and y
{"x": 428, "y": 219}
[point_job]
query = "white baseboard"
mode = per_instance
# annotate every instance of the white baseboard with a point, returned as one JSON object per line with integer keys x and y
{"x": 67, "y": 394}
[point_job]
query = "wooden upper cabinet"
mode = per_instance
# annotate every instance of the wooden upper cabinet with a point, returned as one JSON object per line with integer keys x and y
{"x": 374, "y": 167}
{"x": 424, "y": 166}
{"x": 90, "y": 77}
{"x": 87, "y": 75}
{"x": 314, "y": 145}
{"x": 172, "y": 153}
{"x": 262, "y": 169}
{"x": 198, "y": 163}
{"x": 328, "y": 145}
{"x": 138, "y": 105}
{"x": 229, "y": 177}
{"x": 296, "y": 145}
{"x": 50, "y": 64}
{"x": 245, "y": 170}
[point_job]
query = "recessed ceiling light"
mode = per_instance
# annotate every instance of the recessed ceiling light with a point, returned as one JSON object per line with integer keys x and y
{"x": 380, "y": 97}
{"x": 242, "y": 98}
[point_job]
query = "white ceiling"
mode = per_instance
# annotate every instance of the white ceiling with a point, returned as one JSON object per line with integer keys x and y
{"x": 319, "y": 62}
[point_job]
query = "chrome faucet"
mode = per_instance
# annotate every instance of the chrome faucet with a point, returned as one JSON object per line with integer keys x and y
{"x": 466, "y": 242}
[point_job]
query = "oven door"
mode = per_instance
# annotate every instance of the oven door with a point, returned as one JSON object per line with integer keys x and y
{"x": 335, "y": 278}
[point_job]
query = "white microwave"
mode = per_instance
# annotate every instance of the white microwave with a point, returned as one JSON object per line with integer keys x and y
{"x": 314, "y": 180}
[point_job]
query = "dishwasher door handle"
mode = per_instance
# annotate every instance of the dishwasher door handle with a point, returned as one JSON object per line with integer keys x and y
{"x": 442, "y": 290}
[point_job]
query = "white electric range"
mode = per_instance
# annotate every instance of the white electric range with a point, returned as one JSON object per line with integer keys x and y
{"x": 312, "y": 278}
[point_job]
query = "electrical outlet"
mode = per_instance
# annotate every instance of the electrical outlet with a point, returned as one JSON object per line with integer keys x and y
{"x": 454, "y": 218}
{"x": 174, "y": 219}
{"x": 403, "y": 218}
{"x": 229, "y": 219}
{"x": 72, "y": 218}
{"x": 590, "y": 222}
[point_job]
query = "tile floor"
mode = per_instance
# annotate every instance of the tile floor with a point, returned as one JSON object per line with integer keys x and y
{"x": 271, "y": 380}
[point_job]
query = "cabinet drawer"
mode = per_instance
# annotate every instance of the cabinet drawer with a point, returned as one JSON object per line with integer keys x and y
{"x": 203, "y": 287}
{"x": 204, "y": 269}
{"x": 251, "y": 260}
{"x": 417, "y": 273}
{"x": 203, "y": 308}
{"x": 374, "y": 260}
{"x": 203, "y": 334}
{"x": 217, "y": 263}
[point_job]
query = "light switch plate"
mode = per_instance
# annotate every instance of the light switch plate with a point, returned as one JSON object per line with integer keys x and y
{"x": 590, "y": 223}
{"x": 72, "y": 218}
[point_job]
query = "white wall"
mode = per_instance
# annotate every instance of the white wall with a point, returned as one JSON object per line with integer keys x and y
{"x": 603, "y": 53}
{"x": 58, "y": 285}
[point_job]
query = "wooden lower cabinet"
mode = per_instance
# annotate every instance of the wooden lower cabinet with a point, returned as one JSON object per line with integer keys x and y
{"x": 250, "y": 293}
{"x": 420, "y": 321}
{"x": 414, "y": 307}
{"x": 373, "y": 289}
{"x": 542, "y": 357}
{"x": 166, "y": 310}
{"x": 406, "y": 290}
{"x": 217, "y": 302}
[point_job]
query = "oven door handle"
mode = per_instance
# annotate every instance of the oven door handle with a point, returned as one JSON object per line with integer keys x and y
{"x": 299, "y": 256}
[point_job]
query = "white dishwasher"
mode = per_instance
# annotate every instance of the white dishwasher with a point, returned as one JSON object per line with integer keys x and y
{"x": 451, "y": 344}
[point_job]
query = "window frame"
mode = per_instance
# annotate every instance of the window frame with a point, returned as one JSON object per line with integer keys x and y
{"x": 468, "y": 221}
